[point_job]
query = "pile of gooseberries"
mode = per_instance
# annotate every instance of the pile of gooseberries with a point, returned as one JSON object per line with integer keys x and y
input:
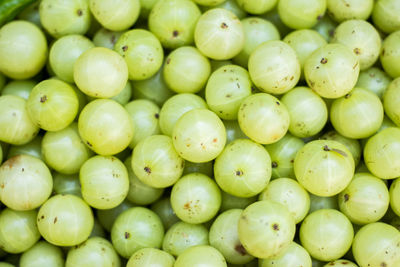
{"x": 200, "y": 133}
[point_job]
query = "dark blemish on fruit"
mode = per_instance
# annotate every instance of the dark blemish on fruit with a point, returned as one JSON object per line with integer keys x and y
{"x": 224, "y": 25}
{"x": 14, "y": 114}
{"x": 347, "y": 4}
{"x": 79, "y": 12}
{"x": 240, "y": 249}
{"x": 238, "y": 85}
{"x": 345, "y": 262}
{"x": 55, "y": 220}
{"x": 157, "y": 115}
{"x": 175, "y": 33}
{"x": 186, "y": 206}
{"x": 291, "y": 78}
{"x": 355, "y": 66}
{"x": 43, "y": 99}
{"x": 22, "y": 169}
{"x": 239, "y": 173}
{"x": 383, "y": 264}
{"x": 89, "y": 144}
{"x": 228, "y": 95}
{"x": 326, "y": 148}
{"x": 168, "y": 60}
{"x": 127, "y": 235}
{"x": 274, "y": 164}
{"x": 357, "y": 51}
{"x": 275, "y": 226}
{"x": 292, "y": 161}
{"x": 347, "y": 96}
{"x": 340, "y": 152}
{"x": 324, "y": 60}
{"x": 42, "y": 217}
{"x": 277, "y": 102}
{"x": 147, "y": 169}
{"x": 346, "y": 197}
{"x": 124, "y": 48}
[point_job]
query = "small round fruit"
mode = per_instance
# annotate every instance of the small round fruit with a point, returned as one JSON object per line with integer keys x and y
{"x": 266, "y": 229}
{"x": 18, "y": 230}
{"x": 134, "y": 229}
{"x": 390, "y": 54}
{"x": 350, "y": 9}
{"x": 61, "y": 17}
{"x": 173, "y": 22}
{"x": 142, "y": 52}
{"x": 362, "y": 38}
{"x": 301, "y": 14}
{"x": 64, "y": 150}
{"x": 115, "y": 15}
{"x": 224, "y": 237}
{"x": 17, "y": 126}
{"x": 104, "y": 182}
{"x": 385, "y": 15}
{"x": 365, "y": 199}
{"x": 65, "y": 220}
{"x": 105, "y": 126}
{"x": 25, "y": 182}
{"x": 23, "y": 49}
{"x": 358, "y": 114}
{"x": 332, "y": 70}
{"x": 257, "y": 7}
{"x": 293, "y": 256}
{"x": 145, "y": 116}
{"x": 199, "y": 135}
{"x": 308, "y": 112}
{"x": 199, "y": 256}
{"x": 156, "y": 163}
{"x": 42, "y": 254}
{"x": 243, "y": 169}
{"x": 52, "y": 105}
{"x": 391, "y": 101}
{"x": 182, "y": 236}
{"x": 324, "y": 167}
{"x": 375, "y": 244}
{"x": 375, "y": 80}
{"x": 326, "y": 234}
{"x": 186, "y": 70}
{"x": 263, "y": 118}
{"x": 219, "y": 34}
{"x": 195, "y": 198}
{"x": 274, "y": 67}
{"x": 226, "y": 89}
{"x": 382, "y": 154}
{"x": 100, "y": 72}
{"x": 151, "y": 257}
{"x": 95, "y": 251}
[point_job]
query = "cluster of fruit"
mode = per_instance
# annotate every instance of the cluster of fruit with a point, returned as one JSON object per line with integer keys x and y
{"x": 194, "y": 133}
